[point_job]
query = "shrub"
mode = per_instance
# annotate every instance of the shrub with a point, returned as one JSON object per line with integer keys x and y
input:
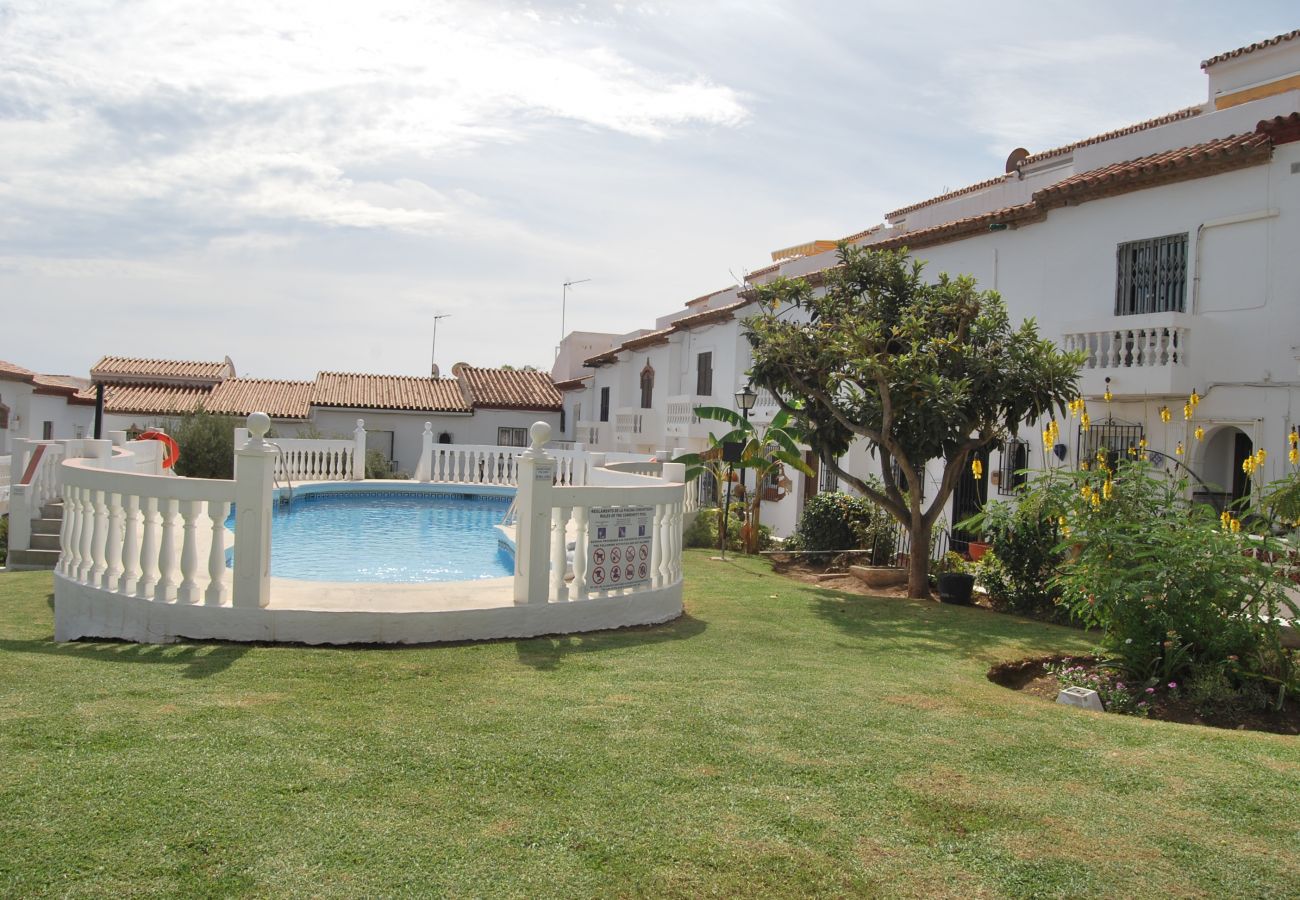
{"x": 1024, "y": 559}
{"x": 4, "y": 539}
{"x": 207, "y": 445}
{"x": 1173, "y": 587}
{"x": 834, "y": 522}
{"x": 703, "y": 531}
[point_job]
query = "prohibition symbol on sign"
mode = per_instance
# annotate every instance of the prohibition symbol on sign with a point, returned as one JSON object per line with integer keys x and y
{"x": 615, "y": 555}
{"x": 615, "y": 574}
{"x": 599, "y": 556}
{"x": 645, "y": 551}
{"x": 642, "y": 570}
{"x": 631, "y": 571}
{"x": 598, "y": 575}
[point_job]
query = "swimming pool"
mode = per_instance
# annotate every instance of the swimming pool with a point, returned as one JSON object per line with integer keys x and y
{"x": 402, "y": 537}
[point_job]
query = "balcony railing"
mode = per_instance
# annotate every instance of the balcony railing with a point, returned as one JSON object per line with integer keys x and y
{"x": 1138, "y": 354}
{"x": 637, "y": 426}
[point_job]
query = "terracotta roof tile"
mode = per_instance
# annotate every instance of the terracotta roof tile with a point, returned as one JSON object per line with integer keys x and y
{"x": 602, "y": 359}
{"x": 704, "y": 317}
{"x": 969, "y": 189}
{"x": 508, "y": 388}
{"x": 355, "y": 390}
{"x": 278, "y": 399}
{"x": 1281, "y": 129}
{"x": 62, "y": 383}
{"x": 151, "y": 399}
{"x": 1175, "y": 116}
{"x": 12, "y": 372}
{"x": 573, "y": 384}
{"x": 1180, "y": 164}
{"x": 1251, "y": 48}
{"x": 703, "y": 297}
{"x": 650, "y": 339}
{"x": 128, "y": 368}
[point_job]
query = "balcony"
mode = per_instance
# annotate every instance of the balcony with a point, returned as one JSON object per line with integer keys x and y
{"x": 590, "y": 434}
{"x": 1141, "y": 355}
{"x": 765, "y": 407}
{"x": 681, "y": 421}
{"x": 634, "y": 427}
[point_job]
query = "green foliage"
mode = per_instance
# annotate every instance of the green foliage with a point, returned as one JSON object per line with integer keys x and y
{"x": 1117, "y": 695}
{"x": 1019, "y": 570}
{"x": 4, "y": 539}
{"x": 920, "y": 371}
{"x": 1173, "y": 588}
{"x": 703, "y": 531}
{"x": 380, "y": 466}
{"x": 207, "y": 445}
{"x": 833, "y": 522}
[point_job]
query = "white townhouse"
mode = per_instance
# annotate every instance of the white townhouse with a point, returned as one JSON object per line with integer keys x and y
{"x": 477, "y": 406}
{"x": 1168, "y": 251}
{"x": 40, "y": 407}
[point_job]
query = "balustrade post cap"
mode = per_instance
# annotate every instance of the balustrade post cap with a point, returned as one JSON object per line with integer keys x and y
{"x": 259, "y": 423}
{"x": 541, "y": 433}
{"x": 361, "y": 423}
{"x": 428, "y": 428}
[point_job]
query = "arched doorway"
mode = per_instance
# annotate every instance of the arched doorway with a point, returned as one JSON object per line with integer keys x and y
{"x": 1225, "y": 448}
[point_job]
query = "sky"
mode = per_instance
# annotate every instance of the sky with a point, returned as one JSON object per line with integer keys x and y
{"x": 304, "y": 186}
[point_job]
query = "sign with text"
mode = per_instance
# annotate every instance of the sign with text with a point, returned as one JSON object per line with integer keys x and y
{"x": 618, "y": 548}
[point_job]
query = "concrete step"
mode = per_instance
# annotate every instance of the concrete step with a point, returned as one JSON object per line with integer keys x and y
{"x": 45, "y": 542}
{"x": 52, "y": 511}
{"x": 22, "y": 560}
{"x": 46, "y": 526}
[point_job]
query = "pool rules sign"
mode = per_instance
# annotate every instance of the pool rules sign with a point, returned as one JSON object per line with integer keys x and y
{"x": 618, "y": 552}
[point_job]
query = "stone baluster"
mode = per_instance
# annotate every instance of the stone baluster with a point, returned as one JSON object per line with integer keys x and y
{"x": 70, "y": 538}
{"x": 85, "y": 558}
{"x": 99, "y": 546}
{"x": 659, "y": 529}
{"x": 188, "y": 592}
{"x": 581, "y": 553}
{"x": 116, "y": 532}
{"x": 218, "y": 511}
{"x": 130, "y": 546}
{"x": 151, "y": 523}
{"x": 165, "y": 589}
{"x": 533, "y": 525}
{"x": 559, "y": 559}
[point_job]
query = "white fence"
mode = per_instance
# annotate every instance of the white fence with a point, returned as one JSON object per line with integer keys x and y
{"x": 134, "y": 537}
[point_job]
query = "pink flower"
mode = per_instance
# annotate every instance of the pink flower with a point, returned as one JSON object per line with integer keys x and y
{"x": 1173, "y": 685}
{"x": 1151, "y": 690}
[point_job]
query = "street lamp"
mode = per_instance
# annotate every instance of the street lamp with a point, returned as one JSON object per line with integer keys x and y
{"x": 745, "y": 399}
{"x": 433, "y": 350}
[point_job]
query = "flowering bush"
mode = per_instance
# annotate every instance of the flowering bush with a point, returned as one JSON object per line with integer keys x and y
{"x": 1173, "y": 587}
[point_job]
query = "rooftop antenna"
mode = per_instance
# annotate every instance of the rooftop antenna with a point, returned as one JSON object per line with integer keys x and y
{"x": 564, "y": 303}
{"x": 433, "y": 352}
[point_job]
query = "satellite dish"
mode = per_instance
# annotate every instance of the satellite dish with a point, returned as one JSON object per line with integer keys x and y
{"x": 1018, "y": 155}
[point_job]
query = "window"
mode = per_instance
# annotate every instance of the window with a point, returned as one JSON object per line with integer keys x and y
{"x": 561, "y": 420}
{"x": 1151, "y": 275}
{"x": 79, "y": 432}
{"x": 604, "y": 404}
{"x": 512, "y": 437}
{"x": 1118, "y": 439}
{"x": 47, "y": 431}
{"x": 647, "y": 387}
{"x": 900, "y": 480}
{"x": 1015, "y": 459}
{"x": 829, "y": 481}
{"x": 704, "y": 374}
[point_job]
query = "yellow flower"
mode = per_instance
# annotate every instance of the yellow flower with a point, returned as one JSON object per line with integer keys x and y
{"x": 1108, "y": 490}
{"x": 1260, "y": 455}
{"x": 977, "y": 469}
{"x": 1060, "y": 520}
{"x": 1178, "y": 451}
{"x": 1225, "y": 518}
{"x": 1164, "y": 414}
{"x": 1106, "y": 396}
{"x": 1047, "y": 438}
{"x": 1293, "y": 437}
{"x": 1142, "y": 443}
{"x": 1248, "y": 465}
{"x": 1065, "y": 530}
{"x": 1195, "y": 399}
{"x": 1294, "y": 456}
{"x": 1083, "y": 420}
{"x": 1086, "y": 492}
{"x": 1187, "y": 410}
{"x": 1096, "y": 501}
{"x": 1199, "y": 433}
{"x": 1236, "y": 525}
{"x": 1084, "y": 465}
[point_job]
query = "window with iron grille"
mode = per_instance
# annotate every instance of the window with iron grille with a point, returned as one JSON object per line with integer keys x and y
{"x": 829, "y": 481}
{"x": 647, "y": 387}
{"x": 1015, "y": 459}
{"x": 512, "y": 437}
{"x": 1151, "y": 275}
{"x": 1118, "y": 439}
{"x": 901, "y": 480}
{"x": 604, "y": 404}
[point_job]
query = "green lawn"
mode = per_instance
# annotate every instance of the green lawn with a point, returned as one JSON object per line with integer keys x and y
{"x": 779, "y": 739}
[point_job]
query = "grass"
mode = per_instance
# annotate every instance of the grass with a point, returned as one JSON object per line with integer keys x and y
{"x": 780, "y": 739}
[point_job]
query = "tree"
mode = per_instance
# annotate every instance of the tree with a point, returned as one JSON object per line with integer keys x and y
{"x": 763, "y": 452}
{"x": 207, "y": 445}
{"x": 921, "y": 371}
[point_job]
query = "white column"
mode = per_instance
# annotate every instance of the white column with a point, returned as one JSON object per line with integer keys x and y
{"x": 533, "y": 526}
{"x": 359, "y": 451}
{"x": 20, "y": 514}
{"x": 424, "y": 471}
{"x": 254, "y": 463}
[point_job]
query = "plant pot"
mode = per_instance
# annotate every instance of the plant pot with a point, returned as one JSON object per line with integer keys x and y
{"x": 956, "y": 588}
{"x": 976, "y": 549}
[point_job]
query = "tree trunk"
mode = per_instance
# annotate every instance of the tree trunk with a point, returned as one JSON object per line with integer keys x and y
{"x": 918, "y": 573}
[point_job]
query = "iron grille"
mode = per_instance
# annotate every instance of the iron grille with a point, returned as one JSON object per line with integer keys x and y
{"x": 1015, "y": 460}
{"x": 829, "y": 482}
{"x": 1118, "y": 438}
{"x": 1152, "y": 275}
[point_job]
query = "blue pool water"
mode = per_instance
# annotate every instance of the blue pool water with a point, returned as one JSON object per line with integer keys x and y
{"x": 393, "y": 537}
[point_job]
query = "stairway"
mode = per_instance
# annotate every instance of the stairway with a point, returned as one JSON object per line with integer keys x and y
{"x": 44, "y": 552}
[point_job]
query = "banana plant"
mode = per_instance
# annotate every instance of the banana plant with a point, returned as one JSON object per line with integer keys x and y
{"x": 763, "y": 451}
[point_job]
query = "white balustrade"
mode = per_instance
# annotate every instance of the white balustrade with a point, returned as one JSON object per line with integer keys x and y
{"x": 302, "y": 460}
{"x": 1156, "y": 346}
{"x": 150, "y": 536}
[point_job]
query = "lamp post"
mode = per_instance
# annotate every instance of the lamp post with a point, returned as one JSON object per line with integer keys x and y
{"x": 745, "y": 399}
{"x": 433, "y": 351}
{"x": 564, "y": 303}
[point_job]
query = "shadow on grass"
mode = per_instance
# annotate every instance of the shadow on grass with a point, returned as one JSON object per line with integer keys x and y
{"x": 197, "y": 660}
{"x": 903, "y": 625}
{"x": 546, "y": 653}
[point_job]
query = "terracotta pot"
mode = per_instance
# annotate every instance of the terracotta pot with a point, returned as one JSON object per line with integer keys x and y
{"x": 976, "y": 549}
